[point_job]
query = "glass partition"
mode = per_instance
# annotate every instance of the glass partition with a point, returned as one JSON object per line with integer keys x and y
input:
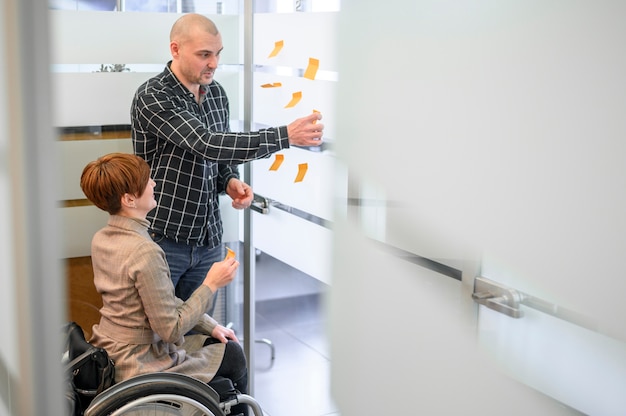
{"x": 494, "y": 131}
{"x": 295, "y": 73}
{"x": 94, "y": 83}
{"x": 31, "y": 381}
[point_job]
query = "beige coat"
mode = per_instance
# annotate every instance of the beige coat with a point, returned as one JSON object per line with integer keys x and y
{"x": 142, "y": 323}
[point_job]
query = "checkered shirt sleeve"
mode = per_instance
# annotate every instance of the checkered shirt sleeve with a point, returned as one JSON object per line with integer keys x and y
{"x": 192, "y": 154}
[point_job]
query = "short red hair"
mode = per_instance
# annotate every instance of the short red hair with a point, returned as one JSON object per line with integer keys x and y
{"x": 105, "y": 180}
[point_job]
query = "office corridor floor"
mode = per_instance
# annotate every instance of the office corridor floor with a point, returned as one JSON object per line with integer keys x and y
{"x": 290, "y": 313}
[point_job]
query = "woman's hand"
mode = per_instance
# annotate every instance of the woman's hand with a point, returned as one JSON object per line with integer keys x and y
{"x": 221, "y": 273}
{"x": 224, "y": 334}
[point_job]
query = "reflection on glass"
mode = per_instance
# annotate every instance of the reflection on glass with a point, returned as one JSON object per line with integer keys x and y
{"x": 290, "y": 6}
{"x": 197, "y": 6}
{"x": 163, "y": 6}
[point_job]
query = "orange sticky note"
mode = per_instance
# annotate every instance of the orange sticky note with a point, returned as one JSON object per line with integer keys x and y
{"x": 315, "y": 111}
{"x": 311, "y": 70}
{"x": 295, "y": 98}
{"x": 277, "y": 47}
{"x": 272, "y": 85}
{"x": 277, "y": 162}
{"x": 229, "y": 254}
{"x": 302, "y": 168}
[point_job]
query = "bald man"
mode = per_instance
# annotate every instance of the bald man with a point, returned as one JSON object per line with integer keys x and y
{"x": 180, "y": 126}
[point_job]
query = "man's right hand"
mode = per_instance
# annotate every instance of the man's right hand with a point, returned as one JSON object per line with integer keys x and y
{"x": 306, "y": 131}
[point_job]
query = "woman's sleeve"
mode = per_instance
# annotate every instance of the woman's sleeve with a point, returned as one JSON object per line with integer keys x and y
{"x": 169, "y": 317}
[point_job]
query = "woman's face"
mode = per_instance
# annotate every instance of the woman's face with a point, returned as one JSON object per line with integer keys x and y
{"x": 146, "y": 202}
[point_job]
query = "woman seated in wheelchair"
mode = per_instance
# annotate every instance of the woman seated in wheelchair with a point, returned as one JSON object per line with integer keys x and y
{"x": 143, "y": 326}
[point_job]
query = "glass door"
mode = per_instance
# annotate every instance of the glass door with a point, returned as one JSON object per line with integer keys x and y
{"x": 493, "y": 134}
{"x": 295, "y": 74}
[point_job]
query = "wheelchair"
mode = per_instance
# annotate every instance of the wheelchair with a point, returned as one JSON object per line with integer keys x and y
{"x": 164, "y": 394}
{"x": 170, "y": 394}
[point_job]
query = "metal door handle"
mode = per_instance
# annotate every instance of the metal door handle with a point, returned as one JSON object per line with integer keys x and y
{"x": 509, "y": 302}
{"x": 497, "y": 297}
{"x": 260, "y": 204}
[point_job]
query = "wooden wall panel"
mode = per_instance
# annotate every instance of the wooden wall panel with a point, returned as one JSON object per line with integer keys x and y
{"x": 84, "y": 302}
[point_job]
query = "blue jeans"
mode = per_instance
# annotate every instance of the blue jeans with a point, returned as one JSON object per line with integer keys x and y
{"x": 188, "y": 265}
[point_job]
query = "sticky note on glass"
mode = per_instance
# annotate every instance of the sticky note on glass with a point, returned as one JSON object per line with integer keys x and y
{"x": 272, "y": 85}
{"x": 311, "y": 70}
{"x": 229, "y": 254}
{"x": 302, "y": 168}
{"x": 277, "y": 162}
{"x": 315, "y": 111}
{"x": 277, "y": 47}
{"x": 295, "y": 99}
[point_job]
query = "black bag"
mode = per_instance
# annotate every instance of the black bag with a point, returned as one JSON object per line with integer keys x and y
{"x": 90, "y": 369}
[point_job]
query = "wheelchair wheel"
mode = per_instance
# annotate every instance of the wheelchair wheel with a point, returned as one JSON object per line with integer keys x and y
{"x": 157, "y": 394}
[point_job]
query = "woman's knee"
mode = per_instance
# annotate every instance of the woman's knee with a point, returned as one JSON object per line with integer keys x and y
{"x": 236, "y": 355}
{"x": 234, "y": 364}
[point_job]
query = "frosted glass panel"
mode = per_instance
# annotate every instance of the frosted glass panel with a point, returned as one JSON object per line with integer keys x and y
{"x": 513, "y": 139}
{"x": 88, "y": 37}
{"x": 304, "y": 36}
{"x": 9, "y": 357}
{"x": 270, "y": 103}
{"x": 297, "y": 242}
{"x": 110, "y": 37}
{"x": 84, "y": 222}
{"x": 585, "y": 369}
{"x": 94, "y": 99}
{"x": 498, "y": 133}
{"x": 232, "y": 83}
{"x": 437, "y": 367}
{"x": 8, "y": 350}
{"x": 313, "y": 194}
{"x": 81, "y": 42}
{"x": 74, "y": 156}
{"x": 104, "y": 98}
{"x": 303, "y": 61}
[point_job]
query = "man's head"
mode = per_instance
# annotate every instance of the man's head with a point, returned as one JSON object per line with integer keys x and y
{"x": 195, "y": 45}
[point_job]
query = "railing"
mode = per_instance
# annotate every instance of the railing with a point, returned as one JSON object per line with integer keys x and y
{"x": 509, "y": 301}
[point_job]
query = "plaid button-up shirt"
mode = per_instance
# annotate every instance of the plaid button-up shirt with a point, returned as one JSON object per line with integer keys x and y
{"x": 192, "y": 154}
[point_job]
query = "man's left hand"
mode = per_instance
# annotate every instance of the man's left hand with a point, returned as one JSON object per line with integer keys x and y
{"x": 240, "y": 192}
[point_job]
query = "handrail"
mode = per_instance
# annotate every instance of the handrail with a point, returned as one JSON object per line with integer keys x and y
{"x": 508, "y": 301}
{"x": 262, "y": 204}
